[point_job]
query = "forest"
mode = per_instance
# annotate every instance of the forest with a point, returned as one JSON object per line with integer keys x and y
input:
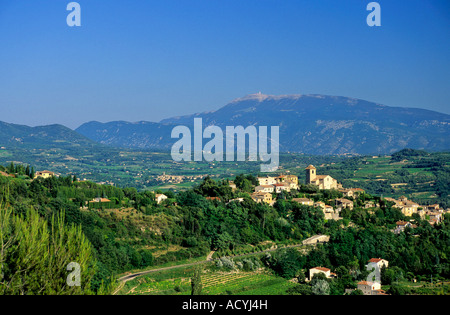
{"x": 133, "y": 232}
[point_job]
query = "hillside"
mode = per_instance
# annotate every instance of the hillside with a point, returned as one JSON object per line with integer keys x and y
{"x": 311, "y": 124}
{"x": 42, "y": 137}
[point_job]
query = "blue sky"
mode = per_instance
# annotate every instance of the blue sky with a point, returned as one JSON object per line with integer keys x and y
{"x": 153, "y": 59}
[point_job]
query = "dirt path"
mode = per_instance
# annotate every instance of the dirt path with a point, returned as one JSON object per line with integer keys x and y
{"x": 209, "y": 258}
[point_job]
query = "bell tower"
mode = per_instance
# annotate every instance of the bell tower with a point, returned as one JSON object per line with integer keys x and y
{"x": 310, "y": 174}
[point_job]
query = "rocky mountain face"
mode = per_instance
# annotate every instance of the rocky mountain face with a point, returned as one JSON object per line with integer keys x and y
{"x": 311, "y": 124}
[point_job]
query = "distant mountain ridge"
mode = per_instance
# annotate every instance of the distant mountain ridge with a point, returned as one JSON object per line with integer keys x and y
{"x": 138, "y": 135}
{"x": 42, "y": 137}
{"x": 311, "y": 124}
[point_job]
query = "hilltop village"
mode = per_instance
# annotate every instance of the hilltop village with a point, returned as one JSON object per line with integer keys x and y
{"x": 302, "y": 231}
{"x": 270, "y": 187}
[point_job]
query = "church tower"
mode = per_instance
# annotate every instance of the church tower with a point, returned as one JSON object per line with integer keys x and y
{"x": 310, "y": 174}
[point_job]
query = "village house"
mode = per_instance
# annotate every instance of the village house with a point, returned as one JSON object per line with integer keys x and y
{"x": 331, "y": 214}
{"x": 347, "y": 192}
{"x": 407, "y": 207}
{"x": 327, "y": 272}
{"x": 432, "y": 213}
{"x": 370, "y": 288}
{"x": 316, "y": 239}
{"x": 232, "y": 185}
{"x": 304, "y": 201}
{"x": 262, "y": 197}
{"x": 434, "y": 207}
{"x": 292, "y": 180}
{"x": 351, "y": 192}
{"x": 265, "y": 188}
{"x": 401, "y": 226}
{"x": 44, "y": 174}
{"x": 433, "y": 217}
{"x": 279, "y": 187}
{"x": 371, "y": 204}
{"x": 101, "y": 200}
{"x": 266, "y": 180}
{"x": 343, "y": 203}
{"x": 160, "y": 198}
{"x": 283, "y": 182}
{"x": 292, "y": 185}
{"x": 287, "y": 178}
{"x": 320, "y": 204}
{"x": 328, "y": 211}
{"x": 322, "y": 181}
{"x": 377, "y": 263}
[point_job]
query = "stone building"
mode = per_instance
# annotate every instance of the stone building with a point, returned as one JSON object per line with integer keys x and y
{"x": 322, "y": 181}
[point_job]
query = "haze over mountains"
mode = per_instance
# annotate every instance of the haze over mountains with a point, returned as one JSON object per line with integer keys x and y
{"x": 311, "y": 124}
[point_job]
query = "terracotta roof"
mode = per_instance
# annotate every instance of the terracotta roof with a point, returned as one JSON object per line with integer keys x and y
{"x": 310, "y": 167}
{"x": 281, "y": 184}
{"x": 375, "y": 260}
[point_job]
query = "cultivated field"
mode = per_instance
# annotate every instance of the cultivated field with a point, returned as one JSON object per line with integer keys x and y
{"x": 177, "y": 282}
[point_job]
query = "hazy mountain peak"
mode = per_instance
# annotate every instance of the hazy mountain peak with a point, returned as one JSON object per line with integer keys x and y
{"x": 262, "y": 97}
{"x": 311, "y": 123}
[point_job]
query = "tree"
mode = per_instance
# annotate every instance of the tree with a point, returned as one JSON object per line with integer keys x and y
{"x": 36, "y": 259}
{"x": 319, "y": 284}
{"x": 27, "y": 171}
{"x": 11, "y": 168}
{"x": 196, "y": 282}
{"x": 223, "y": 241}
{"x": 288, "y": 262}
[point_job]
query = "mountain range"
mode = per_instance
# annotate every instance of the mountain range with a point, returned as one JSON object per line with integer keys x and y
{"x": 42, "y": 137}
{"x": 311, "y": 124}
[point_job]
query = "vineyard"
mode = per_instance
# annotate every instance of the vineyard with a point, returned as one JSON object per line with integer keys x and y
{"x": 260, "y": 282}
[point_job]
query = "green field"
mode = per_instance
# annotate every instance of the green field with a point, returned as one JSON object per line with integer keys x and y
{"x": 177, "y": 282}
